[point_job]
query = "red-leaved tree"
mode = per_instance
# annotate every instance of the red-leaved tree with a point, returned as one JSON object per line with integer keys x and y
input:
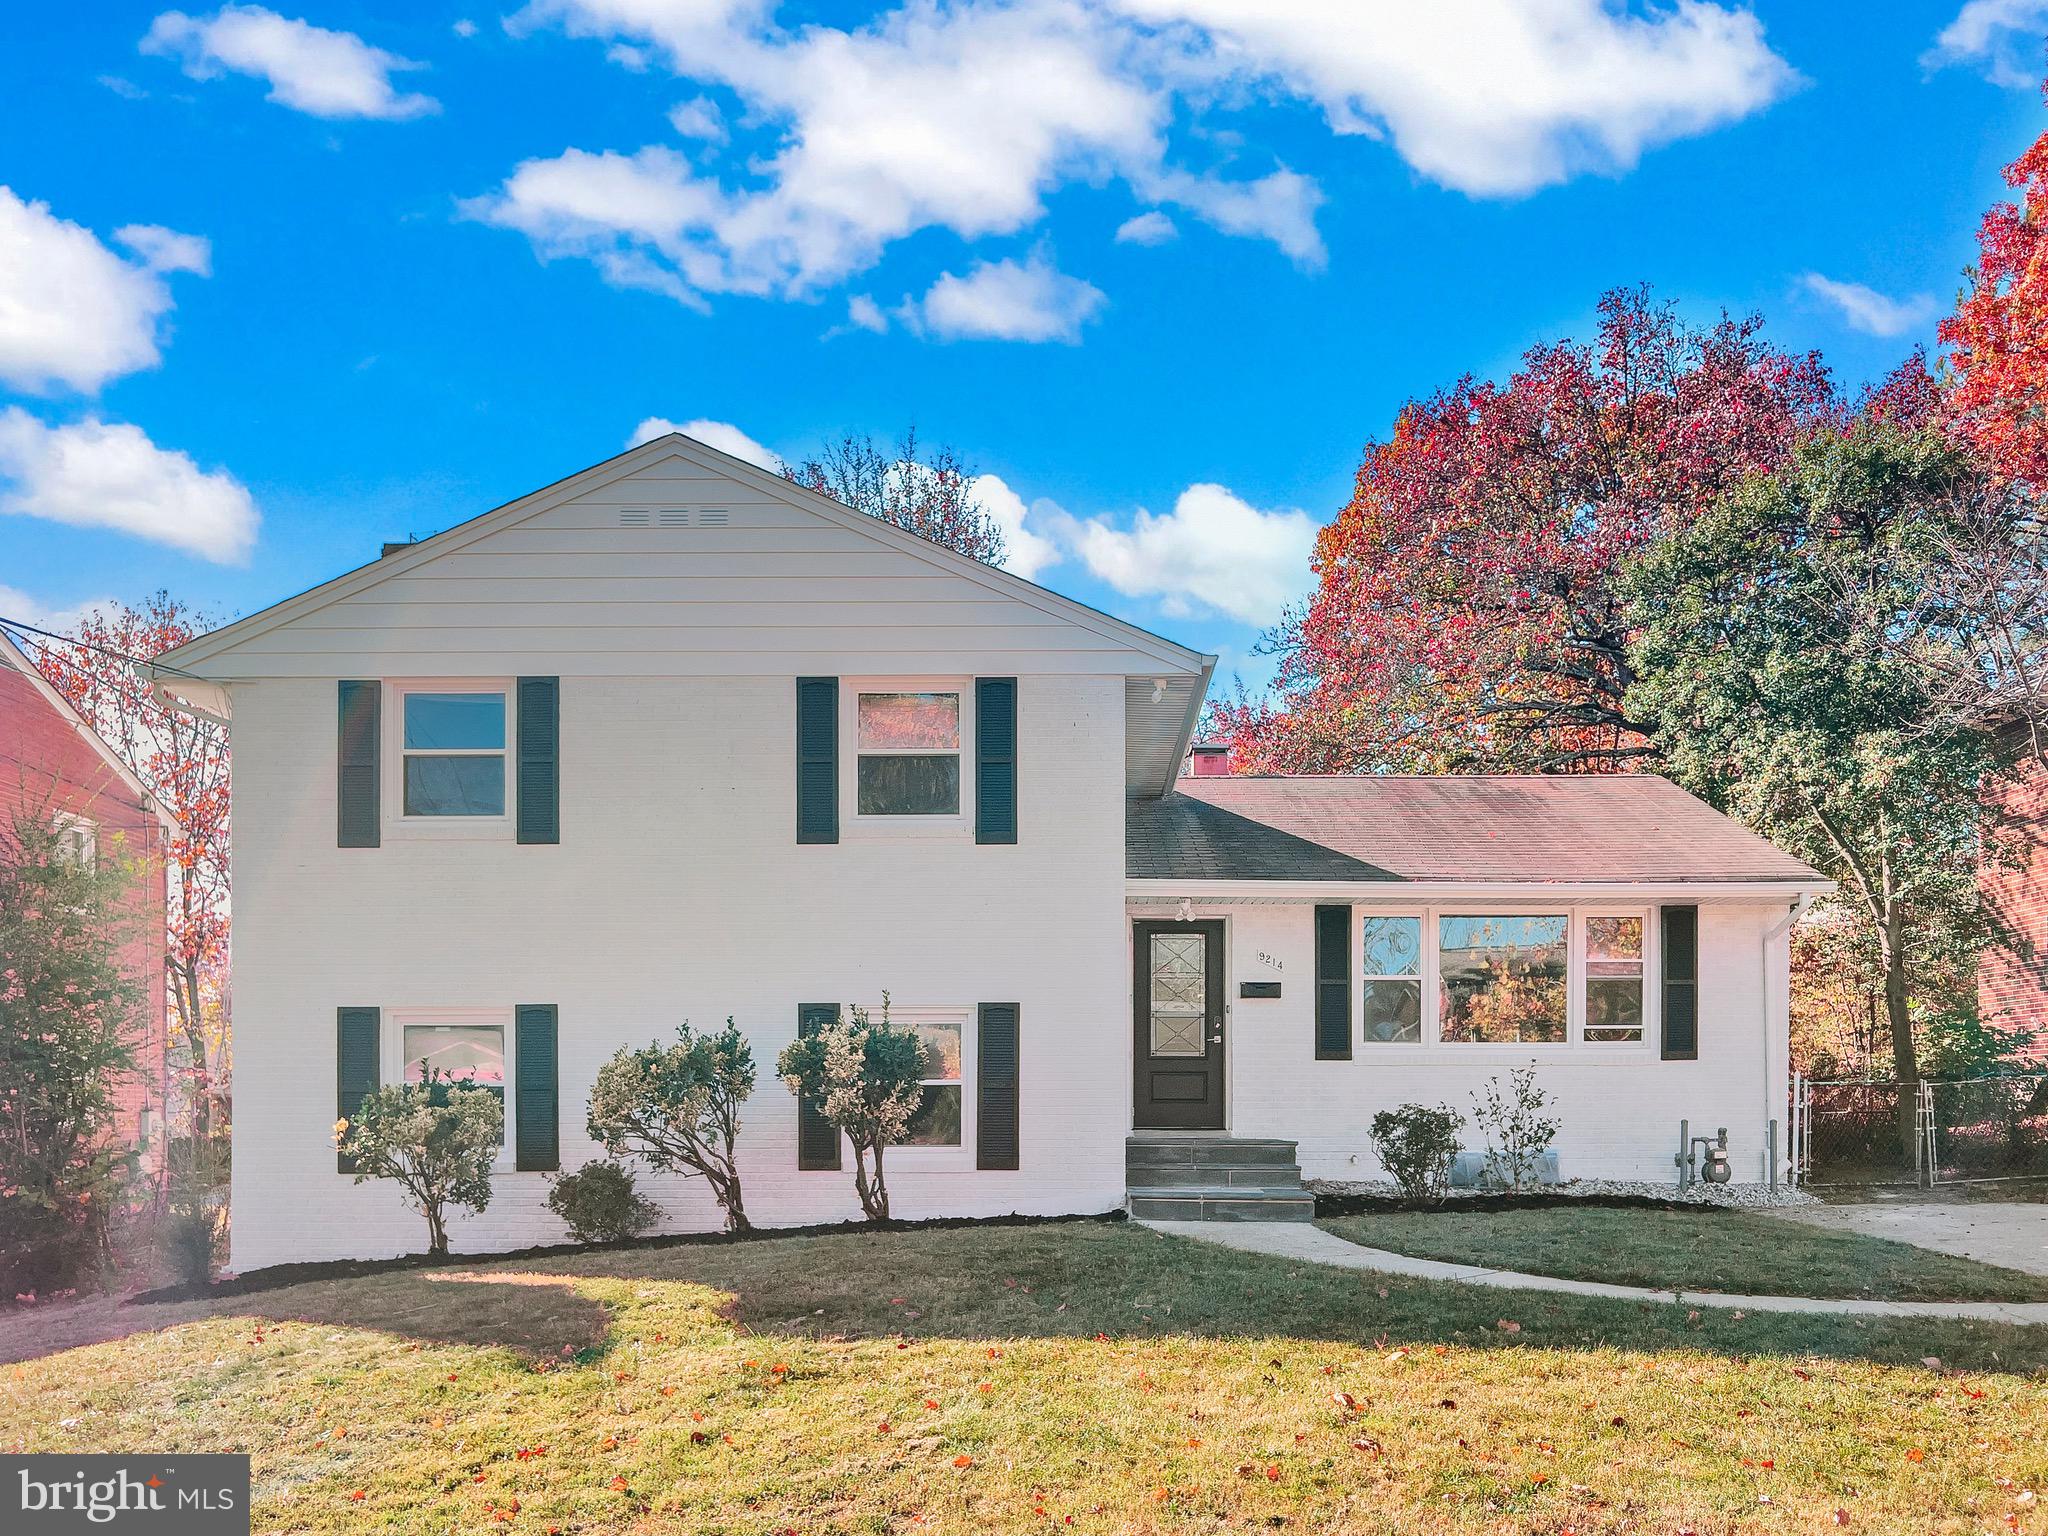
{"x": 183, "y": 763}
{"x": 1996, "y": 342}
{"x": 1464, "y": 615}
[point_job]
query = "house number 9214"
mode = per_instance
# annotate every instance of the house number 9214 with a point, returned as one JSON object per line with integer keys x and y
{"x": 1270, "y": 962}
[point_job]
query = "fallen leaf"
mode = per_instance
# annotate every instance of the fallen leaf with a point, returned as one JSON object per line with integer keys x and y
{"x": 963, "y": 1460}
{"x": 1507, "y": 1326}
{"x": 618, "y": 1485}
{"x": 1916, "y": 1454}
{"x": 1273, "y": 1474}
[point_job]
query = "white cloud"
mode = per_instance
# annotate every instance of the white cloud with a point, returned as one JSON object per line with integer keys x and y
{"x": 863, "y": 313}
{"x": 1865, "y": 309}
{"x": 722, "y": 435}
{"x": 463, "y": 27}
{"x": 698, "y": 118}
{"x": 1212, "y": 551}
{"x": 62, "y": 618}
{"x": 1009, "y": 301}
{"x": 1149, "y": 228}
{"x": 1280, "y": 208}
{"x": 1494, "y": 97}
{"x": 72, "y": 313}
{"x": 165, "y": 250}
{"x": 1026, "y": 551}
{"x": 2003, "y": 36}
{"x": 98, "y": 474}
{"x": 959, "y": 117}
{"x": 309, "y": 68}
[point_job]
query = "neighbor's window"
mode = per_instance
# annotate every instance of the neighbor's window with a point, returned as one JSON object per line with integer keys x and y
{"x": 454, "y": 754}
{"x": 1614, "y": 978}
{"x": 472, "y": 1054}
{"x": 1502, "y": 979}
{"x": 907, "y": 754}
{"x": 78, "y": 840}
{"x": 1393, "y": 979}
{"x": 937, "y": 1121}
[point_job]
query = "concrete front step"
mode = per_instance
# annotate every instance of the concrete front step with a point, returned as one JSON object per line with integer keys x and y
{"x": 1262, "y": 1175}
{"x": 1222, "y": 1202}
{"x": 1206, "y": 1152}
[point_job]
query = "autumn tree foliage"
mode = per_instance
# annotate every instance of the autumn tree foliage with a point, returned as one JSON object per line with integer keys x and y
{"x": 926, "y": 492}
{"x": 183, "y": 763}
{"x": 1996, "y": 343}
{"x": 1465, "y": 614}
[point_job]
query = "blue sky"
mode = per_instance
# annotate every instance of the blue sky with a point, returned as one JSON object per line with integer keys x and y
{"x": 276, "y": 285}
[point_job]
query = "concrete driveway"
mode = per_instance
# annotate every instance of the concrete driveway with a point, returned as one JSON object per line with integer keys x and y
{"x": 1991, "y": 1232}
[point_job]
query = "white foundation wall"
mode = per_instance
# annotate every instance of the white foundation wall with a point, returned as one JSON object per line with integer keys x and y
{"x": 677, "y": 891}
{"x": 1618, "y": 1107}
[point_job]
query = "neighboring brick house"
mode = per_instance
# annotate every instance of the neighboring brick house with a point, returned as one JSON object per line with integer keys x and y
{"x": 2012, "y": 985}
{"x": 52, "y": 764}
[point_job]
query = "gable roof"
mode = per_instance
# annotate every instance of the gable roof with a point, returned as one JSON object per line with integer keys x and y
{"x": 1618, "y": 828}
{"x": 1161, "y": 654}
{"x": 14, "y": 659}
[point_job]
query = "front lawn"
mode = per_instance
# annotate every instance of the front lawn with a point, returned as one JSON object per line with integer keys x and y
{"x": 1093, "y": 1377}
{"x": 1742, "y": 1252}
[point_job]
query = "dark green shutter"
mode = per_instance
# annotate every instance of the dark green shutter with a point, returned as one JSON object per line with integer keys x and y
{"x": 357, "y": 818}
{"x": 995, "y": 759}
{"x": 537, "y": 1103}
{"x": 817, "y": 761}
{"x": 995, "y": 1120}
{"x": 1681, "y": 1011}
{"x": 1333, "y": 983}
{"x": 817, "y": 1139}
{"x": 356, "y": 1032}
{"x": 539, "y": 773}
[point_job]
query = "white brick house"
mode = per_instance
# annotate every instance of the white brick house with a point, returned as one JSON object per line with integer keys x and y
{"x": 673, "y": 738}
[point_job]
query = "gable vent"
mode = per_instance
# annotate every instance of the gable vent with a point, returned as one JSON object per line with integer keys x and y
{"x": 636, "y": 519}
{"x": 672, "y": 519}
{"x": 711, "y": 519}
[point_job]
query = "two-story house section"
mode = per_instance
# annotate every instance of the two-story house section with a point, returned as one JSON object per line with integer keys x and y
{"x": 674, "y": 738}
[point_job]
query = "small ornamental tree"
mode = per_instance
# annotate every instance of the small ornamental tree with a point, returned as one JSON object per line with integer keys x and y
{"x": 866, "y": 1078}
{"x": 1517, "y": 1130}
{"x": 68, "y": 1010}
{"x": 678, "y": 1107}
{"x": 437, "y": 1139}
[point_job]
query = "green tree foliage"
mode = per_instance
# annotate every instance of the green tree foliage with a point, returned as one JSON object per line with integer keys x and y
{"x": 1417, "y": 1145}
{"x": 68, "y": 1010}
{"x": 1811, "y": 653}
{"x": 436, "y": 1139}
{"x": 866, "y": 1077}
{"x": 678, "y": 1107}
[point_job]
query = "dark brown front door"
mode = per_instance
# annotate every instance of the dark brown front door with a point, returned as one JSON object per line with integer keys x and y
{"x": 1177, "y": 970}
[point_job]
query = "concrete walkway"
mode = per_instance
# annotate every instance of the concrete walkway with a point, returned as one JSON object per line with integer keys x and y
{"x": 1312, "y": 1245}
{"x": 2011, "y": 1234}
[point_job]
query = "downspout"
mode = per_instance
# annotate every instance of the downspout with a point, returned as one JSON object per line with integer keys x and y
{"x": 1771, "y": 936}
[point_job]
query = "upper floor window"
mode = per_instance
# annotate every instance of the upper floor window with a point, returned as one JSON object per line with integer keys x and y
{"x": 907, "y": 754}
{"x": 454, "y": 754}
{"x": 78, "y": 840}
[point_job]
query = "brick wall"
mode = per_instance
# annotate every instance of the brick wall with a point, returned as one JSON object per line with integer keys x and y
{"x": 46, "y": 767}
{"x": 2012, "y": 990}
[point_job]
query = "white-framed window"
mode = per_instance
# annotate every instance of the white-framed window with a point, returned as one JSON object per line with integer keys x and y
{"x": 1504, "y": 978}
{"x": 471, "y": 1045}
{"x": 908, "y": 751}
{"x": 78, "y": 839}
{"x": 1390, "y": 994}
{"x": 451, "y": 754}
{"x": 1470, "y": 977}
{"x": 1614, "y": 979}
{"x": 942, "y": 1124}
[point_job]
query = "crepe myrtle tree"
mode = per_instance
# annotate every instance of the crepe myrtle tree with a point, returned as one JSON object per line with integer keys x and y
{"x": 677, "y": 1107}
{"x": 436, "y": 1138}
{"x": 866, "y": 1078}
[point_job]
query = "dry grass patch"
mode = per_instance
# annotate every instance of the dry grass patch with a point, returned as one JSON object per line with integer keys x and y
{"x": 1098, "y": 1378}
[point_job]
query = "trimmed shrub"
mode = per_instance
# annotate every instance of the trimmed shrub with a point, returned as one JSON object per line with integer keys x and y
{"x": 600, "y": 1205}
{"x": 1416, "y": 1145}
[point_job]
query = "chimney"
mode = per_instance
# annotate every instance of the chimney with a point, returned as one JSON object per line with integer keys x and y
{"x": 393, "y": 546}
{"x": 1209, "y": 759}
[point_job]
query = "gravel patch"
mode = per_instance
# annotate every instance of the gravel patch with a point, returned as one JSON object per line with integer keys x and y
{"x": 1744, "y": 1196}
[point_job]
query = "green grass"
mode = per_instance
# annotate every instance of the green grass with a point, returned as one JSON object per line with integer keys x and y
{"x": 1736, "y": 1251}
{"x": 1102, "y": 1375}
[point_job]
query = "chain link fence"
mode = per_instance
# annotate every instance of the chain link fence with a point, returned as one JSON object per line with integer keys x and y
{"x": 1972, "y": 1130}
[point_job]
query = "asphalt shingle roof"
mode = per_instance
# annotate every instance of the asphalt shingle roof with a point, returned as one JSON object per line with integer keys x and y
{"x": 1620, "y": 827}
